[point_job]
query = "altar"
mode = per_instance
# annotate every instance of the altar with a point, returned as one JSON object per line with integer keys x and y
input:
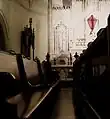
{"x": 65, "y": 71}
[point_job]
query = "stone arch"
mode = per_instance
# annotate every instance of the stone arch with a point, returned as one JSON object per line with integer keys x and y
{"x": 3, "y": 31}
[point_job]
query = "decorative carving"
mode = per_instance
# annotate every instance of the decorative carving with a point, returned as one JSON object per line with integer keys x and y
{"x": 81, "y": 42}
{"x": 62, "y": 60}
{"x": 74, "y": 25}
{"x": 60, "y": 8}
{"x": 61, "y": 38}
{"x": 64, "y": 71}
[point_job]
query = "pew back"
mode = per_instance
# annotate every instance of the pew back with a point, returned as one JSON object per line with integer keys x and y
{"x": 8, "y": 64}
{"x": 28, "y": 70}
{"x": 31, "y": 70}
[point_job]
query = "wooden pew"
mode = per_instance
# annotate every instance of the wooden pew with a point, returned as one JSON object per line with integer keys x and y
{"x": 9, "y": 74}
{"x": 31, "y": 91}
{"x": 91, "y": 77}
{"x": 50, "y": 76}
{"x": 20, "y": 87}
{"x": 28, "y": 70}
{"x": 14, "y": 81}
{"x": 10, "y": 84}
{"x": 40, "y": 70}
{"x": 11, "y": 66}
{"x": 30, "y": 77}
{"x": 37, "y": 101}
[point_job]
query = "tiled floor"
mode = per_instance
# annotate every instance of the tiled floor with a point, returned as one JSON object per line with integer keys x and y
{"x": 64, "y": 108}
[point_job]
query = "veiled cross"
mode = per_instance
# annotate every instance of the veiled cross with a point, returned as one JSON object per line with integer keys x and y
{"x": 92, "y": 21}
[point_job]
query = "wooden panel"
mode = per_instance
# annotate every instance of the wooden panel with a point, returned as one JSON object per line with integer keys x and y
{"x": 8, "y": 63}
{"x": 31, "y": 70}
{"x": 101, "y": 60}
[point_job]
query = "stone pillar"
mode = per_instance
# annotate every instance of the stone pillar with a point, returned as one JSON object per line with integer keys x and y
{"x": 49, "y": 23}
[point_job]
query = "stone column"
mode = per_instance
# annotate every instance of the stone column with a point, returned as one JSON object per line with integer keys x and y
{"x": 49, "y": 23}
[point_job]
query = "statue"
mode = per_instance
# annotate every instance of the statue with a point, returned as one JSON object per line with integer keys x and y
{"x": 48, "y": 57}
{"x": 54, "y": 61}
{"x": 70, "y": 59}
{"x": 76, "y": 55}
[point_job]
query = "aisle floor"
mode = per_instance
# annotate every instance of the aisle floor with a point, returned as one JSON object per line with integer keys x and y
{"x": 64, "y": 107}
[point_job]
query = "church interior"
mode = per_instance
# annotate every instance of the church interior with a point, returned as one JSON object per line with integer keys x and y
{"x": 54, "y": 59}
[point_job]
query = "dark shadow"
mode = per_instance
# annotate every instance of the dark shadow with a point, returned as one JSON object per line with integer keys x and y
{"x": 4, "y": 29}
{"x": 2, "y": 39}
